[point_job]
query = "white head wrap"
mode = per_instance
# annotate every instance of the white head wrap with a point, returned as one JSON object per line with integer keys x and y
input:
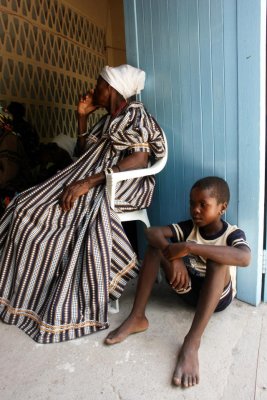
{"x": 127, "y": 80}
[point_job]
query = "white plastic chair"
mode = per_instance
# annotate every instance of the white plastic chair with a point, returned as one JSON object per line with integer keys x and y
{"x": 139, "y": 215}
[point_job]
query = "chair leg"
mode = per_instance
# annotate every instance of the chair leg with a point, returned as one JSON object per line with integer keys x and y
{"x": 113, "y": 306}
{"x": 159, "y": 276}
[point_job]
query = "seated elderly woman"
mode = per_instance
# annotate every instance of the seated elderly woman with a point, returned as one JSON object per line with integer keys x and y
{"x": 63, "y": 250}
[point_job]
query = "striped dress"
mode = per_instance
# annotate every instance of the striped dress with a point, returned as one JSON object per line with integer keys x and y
{"x": 59, "y": 269}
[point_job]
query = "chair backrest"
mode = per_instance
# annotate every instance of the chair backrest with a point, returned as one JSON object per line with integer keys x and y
{"x": 155, "y": 168}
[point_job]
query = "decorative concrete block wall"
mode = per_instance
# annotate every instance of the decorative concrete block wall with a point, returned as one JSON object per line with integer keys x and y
{"x": 49, "y": 54}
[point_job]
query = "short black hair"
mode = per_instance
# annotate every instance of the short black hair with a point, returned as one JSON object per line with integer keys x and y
{"x": 219, "y": 188}
{"x": 16, "y": 109}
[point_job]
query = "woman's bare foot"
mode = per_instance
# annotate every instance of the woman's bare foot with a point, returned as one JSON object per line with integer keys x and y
{"x": 129, "y": 326}
{"x": 186, "y": 372}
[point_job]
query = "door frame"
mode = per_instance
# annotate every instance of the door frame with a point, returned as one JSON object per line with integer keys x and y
{"x": 251, "y": 48}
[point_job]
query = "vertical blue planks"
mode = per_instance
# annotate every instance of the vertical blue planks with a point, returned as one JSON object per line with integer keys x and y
{"x": 217, "y": 66}
{"x": 131, "y": 32}
{"x": 175, "y": 138}
{"x": 231, "y": 109}
{"x": 206, "y": 78}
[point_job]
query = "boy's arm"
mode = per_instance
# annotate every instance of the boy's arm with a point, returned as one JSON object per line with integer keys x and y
{"x": 176, "y": 274}
{"x": 226, "y": 255}
{"x": 158, "y": 236}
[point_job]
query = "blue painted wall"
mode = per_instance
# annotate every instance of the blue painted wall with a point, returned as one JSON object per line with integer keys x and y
{"x": 205, "y": 96}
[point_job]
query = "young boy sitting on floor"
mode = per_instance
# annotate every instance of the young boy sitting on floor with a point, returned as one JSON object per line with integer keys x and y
{"x": 197, "y": 265}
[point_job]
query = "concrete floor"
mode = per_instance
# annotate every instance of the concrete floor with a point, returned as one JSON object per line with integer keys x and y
{"x": 233, "y": 358}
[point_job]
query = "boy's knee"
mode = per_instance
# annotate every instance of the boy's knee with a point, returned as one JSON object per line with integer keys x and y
{"x": 147, "y": 232}
{"x": 216, "y": 267}
{"x": 152, "y": 250}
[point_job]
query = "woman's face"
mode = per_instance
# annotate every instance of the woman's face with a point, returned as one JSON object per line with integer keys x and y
{"x": 101, "y": 96}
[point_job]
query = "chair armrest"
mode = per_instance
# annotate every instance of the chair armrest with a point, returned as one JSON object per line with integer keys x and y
{"x": 115, "y": 177}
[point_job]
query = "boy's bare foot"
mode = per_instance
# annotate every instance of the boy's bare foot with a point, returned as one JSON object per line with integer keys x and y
{"x": 186, "y": 372}
{"x": 129, "y": 326}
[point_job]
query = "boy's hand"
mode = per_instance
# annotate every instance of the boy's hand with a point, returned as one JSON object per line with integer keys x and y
{"x": 178, "y": 275}
{"x": 176, "y": 250}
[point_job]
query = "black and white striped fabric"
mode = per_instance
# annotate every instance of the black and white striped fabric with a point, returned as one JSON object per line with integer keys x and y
{"x": 58, "y": 269}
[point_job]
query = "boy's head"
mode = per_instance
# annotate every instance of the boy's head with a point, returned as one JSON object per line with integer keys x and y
{"x": 208, "y": 201}
{"x": 218, "y": 188}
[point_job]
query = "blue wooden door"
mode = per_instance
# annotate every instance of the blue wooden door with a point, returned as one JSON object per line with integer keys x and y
{"x": 202, "y": 60}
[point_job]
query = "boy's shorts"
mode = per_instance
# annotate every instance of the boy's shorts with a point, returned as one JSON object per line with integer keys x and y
{"x": 191, "y": 295}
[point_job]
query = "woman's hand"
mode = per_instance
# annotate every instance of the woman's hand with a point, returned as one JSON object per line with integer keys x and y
{"x": 177, "y": 275}
{"x": 72, "y": 192}
{"x": 176, "y": 250}
{"x": 86, "y": 104}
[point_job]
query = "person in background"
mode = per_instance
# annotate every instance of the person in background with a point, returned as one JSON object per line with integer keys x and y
{"x": 54, "y": 156}
{"x": 52, "y": 159}
{"x": 15, "y": 175}
{"x": 28, "y": 134}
